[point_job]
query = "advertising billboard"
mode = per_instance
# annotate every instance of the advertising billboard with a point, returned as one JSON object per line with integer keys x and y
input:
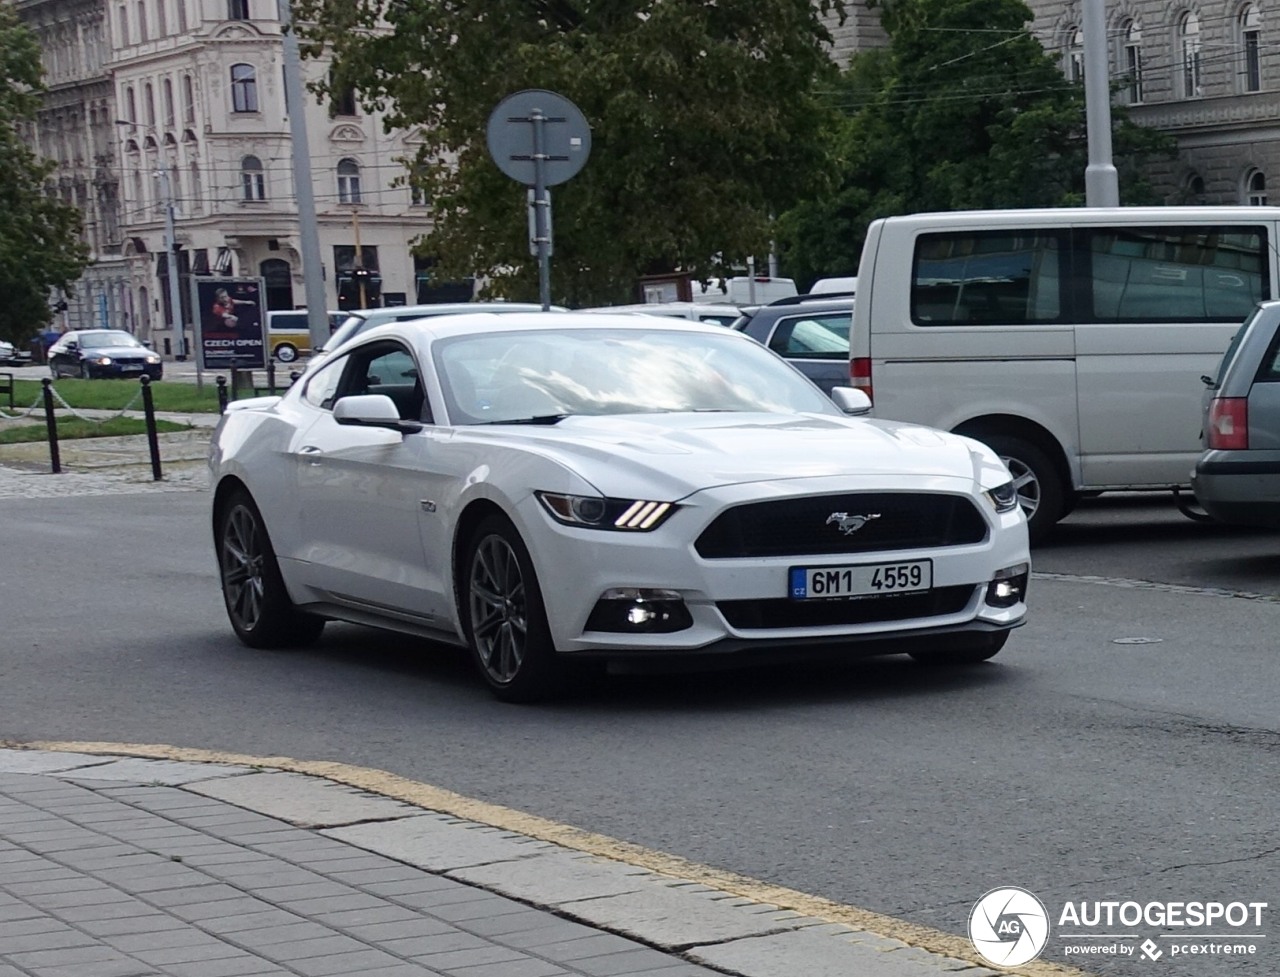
{"x": 231, "y": 323}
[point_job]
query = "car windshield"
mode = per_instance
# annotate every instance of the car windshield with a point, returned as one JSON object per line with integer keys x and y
{"x": 113, "y": 337}
{"x": 511, "y": 376}
{"x": 345, "y": 332}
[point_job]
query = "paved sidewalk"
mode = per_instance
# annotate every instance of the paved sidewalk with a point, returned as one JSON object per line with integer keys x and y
{"x": 126, "y": 867}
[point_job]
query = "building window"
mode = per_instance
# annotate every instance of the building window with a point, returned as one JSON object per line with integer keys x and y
{"x": 252, "y": 179}
{"x": 1131, "y": 58}
{"x": 197, "y": 189}
{"x": 188, "y": 99}
{"x": 182, "y": 16}
{"x": 237, "y": 9}
{"x": 1189, "y": 56}
{"x": 348, "y": 181}
{"x": 130, "y": 105}
{"x": 244, "y": 88}
{"x": 1074, "y": 62}
{"x": 1249, "y": 31}
{"x": 1256, "y": 189}
{"x": 142, "y": 20}
{"x": 162, "y": 18}
{"x": 123, "y": 18}
{"x": 417, "y": 195}
{"x": 343, "y": 102}
{"x": 1195, "y": 189}
{"x": 167, "y": 90}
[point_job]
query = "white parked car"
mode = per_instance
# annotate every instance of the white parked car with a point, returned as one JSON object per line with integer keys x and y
{"x": 547, "y": 488}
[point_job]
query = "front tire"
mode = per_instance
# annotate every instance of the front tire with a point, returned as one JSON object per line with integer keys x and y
{"x": 1041, "y": 492}
{"x": 503, "y": 614}
{"x": 965, "y": 655}
{"x": 258, "y": 604}
{"x": 286, "y": 353}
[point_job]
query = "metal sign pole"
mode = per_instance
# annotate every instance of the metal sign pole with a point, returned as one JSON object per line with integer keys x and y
{"x": 540, "y": 205}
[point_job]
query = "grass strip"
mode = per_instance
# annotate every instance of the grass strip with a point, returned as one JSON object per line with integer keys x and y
{"x": 114, "y": 394}
{"x": 71, "y": 428}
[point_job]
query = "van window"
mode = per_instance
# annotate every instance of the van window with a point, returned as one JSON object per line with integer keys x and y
{"x": 288, "y": 320}
{"x": 988, "y": 277}
{"x": 1176, "y": 274}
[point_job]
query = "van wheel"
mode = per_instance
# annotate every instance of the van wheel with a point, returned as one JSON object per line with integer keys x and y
{"x": 286, "y": 353}
{"x": 1040, "y": 490}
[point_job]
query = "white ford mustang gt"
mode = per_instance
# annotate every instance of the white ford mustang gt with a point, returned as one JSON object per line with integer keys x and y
{"x": 551, "y": 487}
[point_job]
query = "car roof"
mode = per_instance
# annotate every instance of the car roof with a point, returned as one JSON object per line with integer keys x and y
{"x": 441, "y": 308}
{"x": 442, "y": 327}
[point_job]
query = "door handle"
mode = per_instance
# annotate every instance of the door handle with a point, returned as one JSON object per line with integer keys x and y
{"x": 312, "y": 453}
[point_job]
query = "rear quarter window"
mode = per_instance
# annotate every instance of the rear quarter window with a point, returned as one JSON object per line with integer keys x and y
{"x": 988, "y": 278}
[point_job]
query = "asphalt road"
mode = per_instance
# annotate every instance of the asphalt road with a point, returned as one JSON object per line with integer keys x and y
{"x": 1123, "y": 746}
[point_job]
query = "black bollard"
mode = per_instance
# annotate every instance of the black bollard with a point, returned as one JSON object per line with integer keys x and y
{"x": 55, "y": 458}
{"x": 271, "y": 377}
{"x": 222, "y": 395}
{"x": 153, "y": 441}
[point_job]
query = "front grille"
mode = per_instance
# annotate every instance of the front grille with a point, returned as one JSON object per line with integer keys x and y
{"x": 810, "y": 527}
{"x": 784, "y": 613}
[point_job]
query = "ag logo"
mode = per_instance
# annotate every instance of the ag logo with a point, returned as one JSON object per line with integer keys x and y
{"x": 1009, "y": 926}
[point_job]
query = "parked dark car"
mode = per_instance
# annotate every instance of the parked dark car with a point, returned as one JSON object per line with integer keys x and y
{"x": 1237, "y": 479}
{"x": 98, "y": 353}
{"x": 810, "y": 331}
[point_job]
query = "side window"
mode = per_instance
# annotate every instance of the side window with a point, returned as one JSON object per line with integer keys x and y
{"x": 988, "y": 278}
{"x": 821, "y": 337}
{"x": 322, "y": 388}
{"x": 386, "y": 368}
{"x": 1176, "y": 274}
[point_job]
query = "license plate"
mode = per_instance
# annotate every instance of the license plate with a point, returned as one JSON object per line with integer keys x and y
{"x": 867, "y": 580}
{"x": 129, "y": 369}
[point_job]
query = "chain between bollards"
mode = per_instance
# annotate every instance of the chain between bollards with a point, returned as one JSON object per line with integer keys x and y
{"x": 51, "y": 422}
{"x": 149, "y": 412}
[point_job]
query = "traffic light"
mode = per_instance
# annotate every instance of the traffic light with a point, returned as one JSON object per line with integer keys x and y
{"x": 366, "y": 284}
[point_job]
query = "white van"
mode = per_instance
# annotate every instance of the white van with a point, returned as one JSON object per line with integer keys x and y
{"x": 744, "y": 290}
{"x": 1072, "y": 340}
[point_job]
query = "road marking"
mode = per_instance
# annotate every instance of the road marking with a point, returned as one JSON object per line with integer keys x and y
{"x": 1168, "y": 588}
{"x": 533, "y": 826}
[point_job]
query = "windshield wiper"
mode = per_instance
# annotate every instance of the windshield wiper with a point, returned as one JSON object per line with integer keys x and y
{"x": 539, "y": 419}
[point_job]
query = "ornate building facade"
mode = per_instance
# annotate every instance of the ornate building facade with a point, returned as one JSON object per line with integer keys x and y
{"x": 159, "y": 103}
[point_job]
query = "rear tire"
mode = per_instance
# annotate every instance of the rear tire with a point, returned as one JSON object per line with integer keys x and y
{"x": 968, "y": 655}
{"x": 503, "y": 615}
{"x": 1041, "y": 491}
{"x": 257, "y": 601}
{"x": 286, "y": 353}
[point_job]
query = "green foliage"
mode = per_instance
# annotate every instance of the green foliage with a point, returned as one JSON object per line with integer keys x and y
{"x": 75, "y": 427}
{"x": 40, "y": 246}
{"x": 964, "y": 110}
{"x": 177, "y": 397}
{"x": 703, "y": 118}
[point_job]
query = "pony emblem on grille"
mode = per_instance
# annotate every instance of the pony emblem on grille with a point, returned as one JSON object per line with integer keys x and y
{"x": 848, "y": 524}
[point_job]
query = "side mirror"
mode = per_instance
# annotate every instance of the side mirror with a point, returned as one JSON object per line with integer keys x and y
{"x": 373, "y": 410}
{"x": 851, "y": 400}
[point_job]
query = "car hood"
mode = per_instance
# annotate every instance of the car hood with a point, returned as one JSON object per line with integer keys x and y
{"x": 681, "y": 453}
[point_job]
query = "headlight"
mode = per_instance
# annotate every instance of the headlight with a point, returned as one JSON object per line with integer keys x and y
{"x": 597, "y": 512}
{"x": 153, "y": 359}
{"x": 103, "y": 360}
{"x": 1003, "y": 497}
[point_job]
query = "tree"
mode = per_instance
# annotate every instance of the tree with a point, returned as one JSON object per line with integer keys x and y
{"x": 703, "y": 118}
{"x": 964, "y": 109}
{"x": 40, "y": 246}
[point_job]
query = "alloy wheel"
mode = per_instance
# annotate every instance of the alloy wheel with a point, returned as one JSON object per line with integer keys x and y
{"x": 499, "y": 615}
{"x": 243, "y": 557}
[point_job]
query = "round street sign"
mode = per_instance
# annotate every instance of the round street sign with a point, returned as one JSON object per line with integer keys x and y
{"x": 533, "y": 115}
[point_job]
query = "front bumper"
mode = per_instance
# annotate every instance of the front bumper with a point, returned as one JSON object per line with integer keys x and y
{"x": 666, "y": 560}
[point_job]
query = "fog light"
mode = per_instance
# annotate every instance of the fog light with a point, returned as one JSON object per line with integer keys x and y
{"x": 1008, "y": 586}
{"x": 639, "y": 610}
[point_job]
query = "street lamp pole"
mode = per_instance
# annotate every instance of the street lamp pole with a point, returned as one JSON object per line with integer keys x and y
{"x": 171, "y": 249}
